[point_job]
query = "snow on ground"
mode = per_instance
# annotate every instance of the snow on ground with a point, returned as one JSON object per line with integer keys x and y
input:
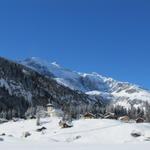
{"x": 86, "y": 134}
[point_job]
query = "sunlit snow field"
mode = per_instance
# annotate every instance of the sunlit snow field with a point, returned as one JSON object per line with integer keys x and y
{"x": 85, "y": 134}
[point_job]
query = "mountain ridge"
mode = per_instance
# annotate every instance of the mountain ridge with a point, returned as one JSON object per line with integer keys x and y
{"x": 90, "y": 83}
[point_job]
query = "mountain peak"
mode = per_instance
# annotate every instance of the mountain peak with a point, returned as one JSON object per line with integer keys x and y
{"x": 56, "y": 64}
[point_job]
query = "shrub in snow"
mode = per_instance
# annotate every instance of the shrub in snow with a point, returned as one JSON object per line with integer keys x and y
{"x": 139, "y": 120}
{"x": 41, "y": 129}
{"x": 136, "y": 134}
{"x": 3, "y": 134}
{"x": 1, "y": 139}
{"x": 73, "y": 138}
{"x": 32, "y": 117}
{"x": 147, "y": 139}
{"x": 26, "y": 134}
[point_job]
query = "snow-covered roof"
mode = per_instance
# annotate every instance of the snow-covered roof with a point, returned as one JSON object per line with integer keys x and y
{"x": 50, "y": 105}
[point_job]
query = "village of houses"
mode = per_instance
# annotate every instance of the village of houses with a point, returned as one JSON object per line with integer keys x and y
{"x": 52, "y": 112}
{"x": 54, "y": 128}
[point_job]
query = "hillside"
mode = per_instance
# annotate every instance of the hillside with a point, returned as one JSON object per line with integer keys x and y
{"x": 22, "y": 87}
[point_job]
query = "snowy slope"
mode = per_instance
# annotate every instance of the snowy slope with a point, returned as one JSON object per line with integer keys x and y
{"x": 92, "y": 84}
{"x": 84, "y": 133}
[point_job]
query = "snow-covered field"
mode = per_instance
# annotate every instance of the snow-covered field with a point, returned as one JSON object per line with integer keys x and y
{"x": 85, "y": 134}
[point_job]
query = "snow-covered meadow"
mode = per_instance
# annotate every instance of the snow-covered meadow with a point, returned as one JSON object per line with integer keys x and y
{"x": 85, "y": 134}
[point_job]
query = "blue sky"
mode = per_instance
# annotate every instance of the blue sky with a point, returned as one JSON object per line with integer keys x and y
{"x": 111, "y": 37}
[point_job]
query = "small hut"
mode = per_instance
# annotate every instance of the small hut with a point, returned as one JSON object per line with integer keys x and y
{"x": 89, "y": 116}
{"x": 65, "y": 124}
{"x": 139, "y": 120}
{"x": 110, "y": 116}
{"x": 125, "y": 119}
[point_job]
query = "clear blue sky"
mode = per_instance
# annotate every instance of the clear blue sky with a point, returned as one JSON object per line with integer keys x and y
{"x": 111, "y": 37}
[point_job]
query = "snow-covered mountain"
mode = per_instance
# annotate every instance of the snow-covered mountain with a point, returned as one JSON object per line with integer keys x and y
{"x": 90, "y": 83}
{"x": 22, "y": 87}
